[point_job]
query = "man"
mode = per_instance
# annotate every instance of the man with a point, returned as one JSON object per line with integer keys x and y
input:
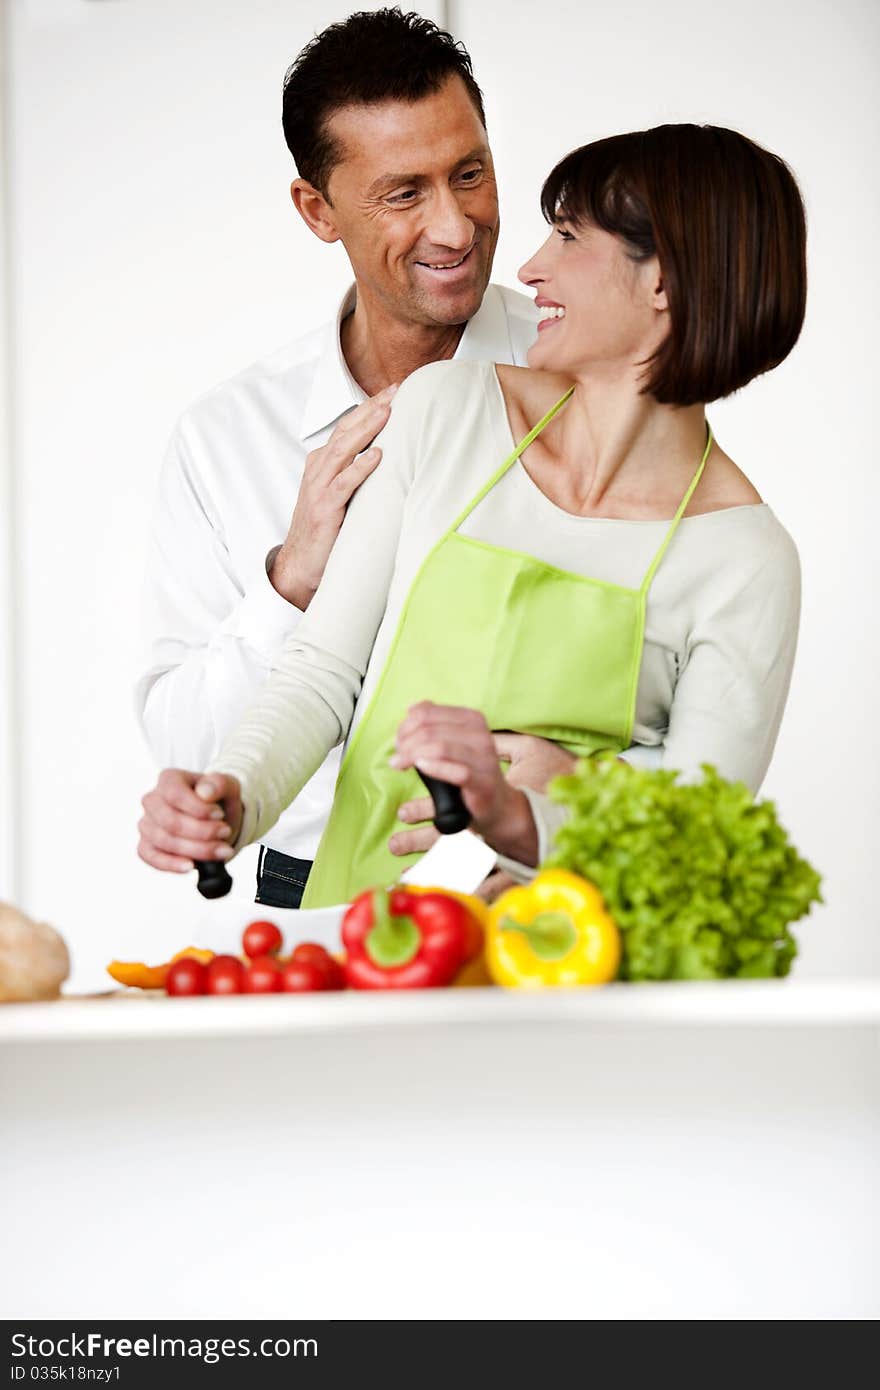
{"x": 386, "y": 126}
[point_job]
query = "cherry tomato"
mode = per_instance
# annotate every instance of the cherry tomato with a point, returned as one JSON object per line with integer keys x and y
{"x": 302, "y": 977}
{"x": 186, "y": 976}
{"x": 224, "y": 975}
{"x": 262, "y": 976}
{"x": 334, "y": 974}
{"x": 261, "y": 939}
{"x": 313, "y": 954}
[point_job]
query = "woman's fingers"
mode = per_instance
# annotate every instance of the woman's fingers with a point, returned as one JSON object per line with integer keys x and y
{"x": 422, "y": 808}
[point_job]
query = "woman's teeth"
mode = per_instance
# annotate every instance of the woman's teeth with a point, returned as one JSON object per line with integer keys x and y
{"x": 556, "y": 312}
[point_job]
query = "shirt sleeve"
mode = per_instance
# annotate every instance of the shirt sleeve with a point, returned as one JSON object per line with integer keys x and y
{"x": 731, "y": 693}
{"x": 211, "y": 637}
{"x": 306, "y": 706}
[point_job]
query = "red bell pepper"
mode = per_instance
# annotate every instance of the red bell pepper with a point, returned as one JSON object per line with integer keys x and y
{"x": 401, "y": 940}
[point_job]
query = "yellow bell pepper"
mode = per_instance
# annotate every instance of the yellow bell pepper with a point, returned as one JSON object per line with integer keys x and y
{"x": 555, "y": 930}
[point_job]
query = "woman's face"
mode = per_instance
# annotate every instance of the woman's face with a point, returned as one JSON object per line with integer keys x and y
{"x": 601, "y": 312}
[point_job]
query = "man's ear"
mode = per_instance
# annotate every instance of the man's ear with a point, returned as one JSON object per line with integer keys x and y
{"x": 314, "y": 210}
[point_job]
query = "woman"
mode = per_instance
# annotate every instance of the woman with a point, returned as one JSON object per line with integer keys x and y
{"x": 611, "y": 577}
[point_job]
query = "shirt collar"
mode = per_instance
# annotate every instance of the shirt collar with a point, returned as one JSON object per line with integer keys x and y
{"x": 334, "y": 389}
{"x": 486, "y": 338}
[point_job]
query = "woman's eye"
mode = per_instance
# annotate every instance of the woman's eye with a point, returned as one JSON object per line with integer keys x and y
{"x": 565, "y": 234}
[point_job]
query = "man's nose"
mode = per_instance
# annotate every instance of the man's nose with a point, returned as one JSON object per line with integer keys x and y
{"x": 448, "y": 224}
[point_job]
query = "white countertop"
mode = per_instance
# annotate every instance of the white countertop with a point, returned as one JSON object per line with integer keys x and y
{"x": 733, "y": 1003}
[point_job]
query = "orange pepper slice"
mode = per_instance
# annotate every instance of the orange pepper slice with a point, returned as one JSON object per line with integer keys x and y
{"x": 136, "y": 975}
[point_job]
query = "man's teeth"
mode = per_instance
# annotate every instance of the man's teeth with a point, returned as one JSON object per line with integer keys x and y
{"x": 553, "y": 312}
{"x": 449, "y": 265}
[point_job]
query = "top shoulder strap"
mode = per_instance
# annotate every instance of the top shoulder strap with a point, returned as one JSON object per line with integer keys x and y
{"x": 512, "y": 458}
{"x": 673, "y": 525}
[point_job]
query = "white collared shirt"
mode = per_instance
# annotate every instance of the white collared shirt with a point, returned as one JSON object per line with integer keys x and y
{"x": 213, "y": 622}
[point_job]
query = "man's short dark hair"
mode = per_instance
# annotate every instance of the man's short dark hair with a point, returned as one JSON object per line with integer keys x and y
{"x": 725, "y": 219}
{"x": 373, "y": 56}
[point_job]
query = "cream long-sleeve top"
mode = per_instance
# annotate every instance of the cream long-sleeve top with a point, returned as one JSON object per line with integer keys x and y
{"x": 213, "y": 624}
{"x": 722, "y": 611}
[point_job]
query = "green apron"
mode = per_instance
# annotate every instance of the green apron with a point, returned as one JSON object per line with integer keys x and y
{"x": 539, "y": 650}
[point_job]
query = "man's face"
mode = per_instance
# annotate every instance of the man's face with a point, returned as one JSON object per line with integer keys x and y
{"x": 415, "y": 204}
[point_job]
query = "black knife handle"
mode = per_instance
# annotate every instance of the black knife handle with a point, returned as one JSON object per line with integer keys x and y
{"x": 450, "y": 812}
{"x": 214, "y": 879}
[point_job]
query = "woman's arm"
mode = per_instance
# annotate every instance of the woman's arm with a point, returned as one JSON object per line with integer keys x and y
{"x": 731, "y": 693}
{"x": 305, "y": 708}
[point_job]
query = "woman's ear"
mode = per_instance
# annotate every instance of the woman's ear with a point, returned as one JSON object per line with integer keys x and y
{"x": 661, "y": 303}
{"x": 315, "y": 210}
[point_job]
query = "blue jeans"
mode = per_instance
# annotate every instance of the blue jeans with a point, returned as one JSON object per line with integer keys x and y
{"x": 281, "y": 879}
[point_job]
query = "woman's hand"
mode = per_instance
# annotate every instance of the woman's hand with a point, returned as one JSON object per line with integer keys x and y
{"x": 189, "y": 816}
{"x": 457, "y": 746}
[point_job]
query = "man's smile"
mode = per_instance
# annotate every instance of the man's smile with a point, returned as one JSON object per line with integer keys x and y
{"x": 446, "y": 267}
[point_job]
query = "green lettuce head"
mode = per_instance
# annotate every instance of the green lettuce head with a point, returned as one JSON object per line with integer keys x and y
{"x": 700, "y": 878}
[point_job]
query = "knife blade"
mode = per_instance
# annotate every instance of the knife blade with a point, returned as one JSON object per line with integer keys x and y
{"x": 458, "y": 862}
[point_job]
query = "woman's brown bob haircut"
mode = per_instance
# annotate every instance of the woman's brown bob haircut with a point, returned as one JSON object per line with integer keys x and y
{"x": 725, "y": 220}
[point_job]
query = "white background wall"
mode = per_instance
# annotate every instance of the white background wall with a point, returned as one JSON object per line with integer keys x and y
{"x": 152, "y": 250}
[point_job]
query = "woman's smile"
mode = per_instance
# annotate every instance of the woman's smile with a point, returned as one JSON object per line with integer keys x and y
{"x": 549, "y": 312}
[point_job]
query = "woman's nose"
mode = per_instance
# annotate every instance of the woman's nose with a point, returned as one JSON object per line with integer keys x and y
{"x": 535, "y": 270}
{"x": 530, "y": 273}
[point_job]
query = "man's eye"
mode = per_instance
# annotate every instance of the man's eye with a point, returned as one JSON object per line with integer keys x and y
{"x": 399, "y": 199}
{"x": 470, "y": 175}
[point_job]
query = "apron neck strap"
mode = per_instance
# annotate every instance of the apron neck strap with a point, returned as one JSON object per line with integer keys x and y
{"x": 512, "y": 458}
{"x": 673, "y": 527}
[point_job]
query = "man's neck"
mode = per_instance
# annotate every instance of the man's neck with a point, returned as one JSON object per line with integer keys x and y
{"x": 380, "y": 349}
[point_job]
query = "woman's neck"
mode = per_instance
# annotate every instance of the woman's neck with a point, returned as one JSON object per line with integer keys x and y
{"x": 612, "y": 440}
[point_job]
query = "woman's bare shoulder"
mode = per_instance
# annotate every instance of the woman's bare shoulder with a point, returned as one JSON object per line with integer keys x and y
{"x": 723, "y": 485}
{"x": 530, "y": 391}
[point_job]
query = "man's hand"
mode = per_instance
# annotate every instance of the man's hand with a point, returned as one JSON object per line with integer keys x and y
{"x": 189, "y": 816}
{"x": 332, "y": 474}
{"x": 457, "y": 746}
{"x": 533, "y": 763}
